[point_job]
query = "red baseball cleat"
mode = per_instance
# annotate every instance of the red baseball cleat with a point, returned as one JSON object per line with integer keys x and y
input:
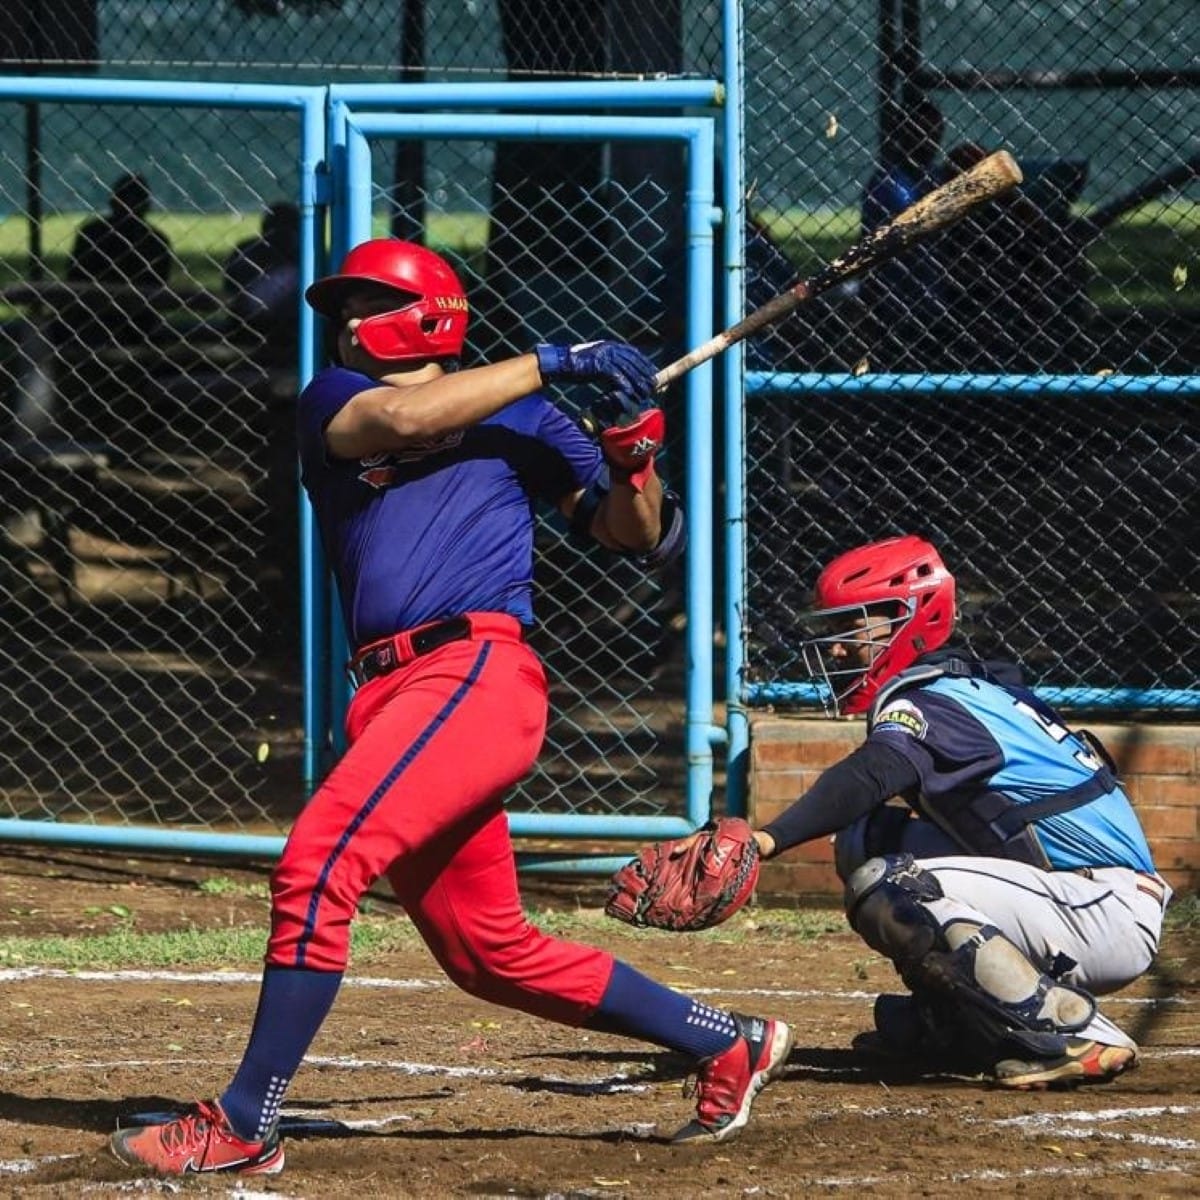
{"x": 199, "y": 1141}
{"x": 1084, "y": 1061}
{"x": 727, "y": 1083}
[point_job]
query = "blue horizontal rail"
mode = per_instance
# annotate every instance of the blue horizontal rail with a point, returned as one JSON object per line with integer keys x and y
{"x": 599, "y": 93}
{"x": 1130, "y": 699}
{"x": 817, "y": 383}
{"x": 74, "y": 90}
{"x": 549, "y": 127}
{"x": 264, "y": 846}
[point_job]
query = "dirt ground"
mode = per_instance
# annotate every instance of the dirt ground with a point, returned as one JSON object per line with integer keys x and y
{"x": 415, "y": 1089}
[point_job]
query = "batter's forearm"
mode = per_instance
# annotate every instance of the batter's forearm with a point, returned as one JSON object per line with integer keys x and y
{"x": 461, "y": 399}
{"x": 628, "y": 519}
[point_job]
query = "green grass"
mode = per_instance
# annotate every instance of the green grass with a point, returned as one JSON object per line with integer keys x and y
{"x": 1183, "y": 913}
{"x": 1135, "y": 262}
{"x": 372, "y": 939}
{"x": 221, "y": 885}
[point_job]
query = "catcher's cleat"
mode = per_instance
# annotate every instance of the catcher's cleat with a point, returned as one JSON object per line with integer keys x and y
{"x": 913, "y": 1030}
{"x": 1084, "y": 1061}
{"x": 727, "y": 1083}
{"x": 199, "y": 1141}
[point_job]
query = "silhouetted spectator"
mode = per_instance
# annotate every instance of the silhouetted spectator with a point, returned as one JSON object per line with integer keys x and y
{"x": 261, "y": 277}
{"x": 903, "y": 296}
{"x": 122, "y": 247}
{"x": 769, "y": 272}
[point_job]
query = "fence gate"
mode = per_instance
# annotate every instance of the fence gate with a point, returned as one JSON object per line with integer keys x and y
{"x": 629, "y": 751}
{"x": 148, "y": 557}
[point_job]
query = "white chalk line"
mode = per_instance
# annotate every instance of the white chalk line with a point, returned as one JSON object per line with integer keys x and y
{"x": 23, "y": 974}
{"x": 1076, "y": 1123}
{"x": 1144, "y": 1166}
{"x": 23, "y": 1166}
{"x": 619, "y": 1081}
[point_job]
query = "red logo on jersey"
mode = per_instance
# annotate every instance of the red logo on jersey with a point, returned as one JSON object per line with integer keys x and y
{"x": 379, "y": 477}
{"x": 382, "y": 470}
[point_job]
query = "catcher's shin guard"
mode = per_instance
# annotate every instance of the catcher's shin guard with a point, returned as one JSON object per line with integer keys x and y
{"x": 1004, "y": 1004}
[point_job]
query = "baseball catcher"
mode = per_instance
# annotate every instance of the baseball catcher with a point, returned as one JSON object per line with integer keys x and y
{"x": 1012, "y": 886}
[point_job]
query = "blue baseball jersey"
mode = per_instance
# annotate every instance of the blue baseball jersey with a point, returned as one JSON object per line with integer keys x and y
{"x": 443, "y": 528}
{"x": 968, "y": 736}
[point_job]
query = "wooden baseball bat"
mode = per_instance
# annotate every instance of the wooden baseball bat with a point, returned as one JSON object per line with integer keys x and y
{"x": 989, "y": 178}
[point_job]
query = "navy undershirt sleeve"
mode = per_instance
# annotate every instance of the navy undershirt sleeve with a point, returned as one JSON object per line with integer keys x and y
{"x": 846, "y": 791}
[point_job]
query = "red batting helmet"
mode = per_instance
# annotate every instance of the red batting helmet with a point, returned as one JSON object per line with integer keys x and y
{"x": 430, "y": 320}
{"x": 901, "y": 581}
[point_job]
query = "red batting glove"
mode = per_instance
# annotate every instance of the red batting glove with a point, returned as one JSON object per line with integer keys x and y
{"x": 631, "y": 447}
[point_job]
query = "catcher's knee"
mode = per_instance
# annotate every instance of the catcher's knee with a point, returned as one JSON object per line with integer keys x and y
{"x": 884, "y": 905}
{"x": 999, "y": 1000}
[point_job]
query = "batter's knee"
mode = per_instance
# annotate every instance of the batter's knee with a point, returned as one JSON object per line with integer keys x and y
{"x": 310, "y": 916}
{"x": 530, "y": 971}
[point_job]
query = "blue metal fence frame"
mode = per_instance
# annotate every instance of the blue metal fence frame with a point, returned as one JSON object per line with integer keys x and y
{"x": 310, "y": 105}
{"x": 336, "y": 124}
{"x": 353, "y": 132}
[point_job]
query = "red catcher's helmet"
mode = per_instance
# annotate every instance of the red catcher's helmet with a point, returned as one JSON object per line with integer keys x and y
{"x": 901, "y": 582}
{"x": 430, "y": 319}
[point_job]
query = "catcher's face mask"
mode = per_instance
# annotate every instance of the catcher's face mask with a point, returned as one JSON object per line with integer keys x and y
{"x": 845, "y": 647}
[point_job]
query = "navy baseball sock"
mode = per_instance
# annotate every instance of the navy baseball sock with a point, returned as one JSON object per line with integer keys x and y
{"x": 636, "y": 1006}
{"x": 292, "y": 1004}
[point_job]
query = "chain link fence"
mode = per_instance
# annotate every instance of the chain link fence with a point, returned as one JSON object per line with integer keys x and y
{"x": 1069, "y": 515}
{"x": 151, "y": 669}
{"x": 149, "y": 388}
{"x": 149, "y": 551}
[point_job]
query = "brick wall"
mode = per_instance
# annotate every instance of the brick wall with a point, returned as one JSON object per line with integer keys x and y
{"x": 1159, "y": 764}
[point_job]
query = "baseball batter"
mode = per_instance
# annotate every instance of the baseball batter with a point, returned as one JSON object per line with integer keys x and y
{"x": 1017, "y": 883}
{"x": 423, "y": 479}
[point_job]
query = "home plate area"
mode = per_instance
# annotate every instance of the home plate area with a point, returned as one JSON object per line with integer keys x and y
{"x": 416, "y": 1089}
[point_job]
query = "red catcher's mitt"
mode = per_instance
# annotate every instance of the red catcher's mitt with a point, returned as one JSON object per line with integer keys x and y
{"x": 688, "y": 883}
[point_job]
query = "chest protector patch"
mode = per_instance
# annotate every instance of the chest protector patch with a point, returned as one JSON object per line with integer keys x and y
{"x": 904, "y": 717}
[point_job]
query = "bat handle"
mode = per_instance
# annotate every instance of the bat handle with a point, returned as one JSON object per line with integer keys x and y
{"x": 774, "y": 310}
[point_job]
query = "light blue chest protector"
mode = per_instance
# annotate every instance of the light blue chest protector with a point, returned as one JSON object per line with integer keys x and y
{"x": 1039, "y": 776}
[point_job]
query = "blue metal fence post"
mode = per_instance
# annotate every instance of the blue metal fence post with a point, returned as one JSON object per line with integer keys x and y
{"x": 698, "y": 135}
{"x": 734, "y": 516}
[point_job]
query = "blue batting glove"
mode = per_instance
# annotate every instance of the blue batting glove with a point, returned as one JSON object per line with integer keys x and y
{"x": 617, "y": 365}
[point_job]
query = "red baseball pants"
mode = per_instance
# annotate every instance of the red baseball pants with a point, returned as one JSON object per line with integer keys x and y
{"x": 435, "y": 746}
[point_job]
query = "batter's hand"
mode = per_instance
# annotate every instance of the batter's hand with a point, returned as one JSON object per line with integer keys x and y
{"x": 630, "y": 445}
{"x": 624, "y": 370}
